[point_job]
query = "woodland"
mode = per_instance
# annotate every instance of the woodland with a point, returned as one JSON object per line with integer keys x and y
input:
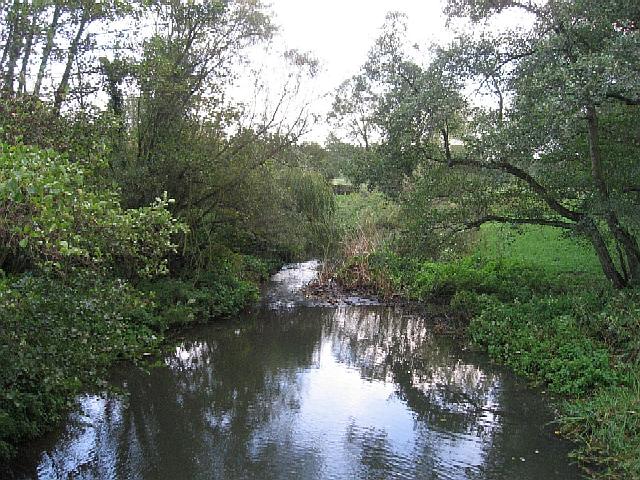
{"x": 497, "y": 174}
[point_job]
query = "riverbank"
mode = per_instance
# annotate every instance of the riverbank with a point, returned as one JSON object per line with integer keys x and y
{"x": 296, "y": 390}
{"x": 60, "y": 335}
{"x": 555, "y": 323}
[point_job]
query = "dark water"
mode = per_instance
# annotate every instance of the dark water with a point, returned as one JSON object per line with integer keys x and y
{"x": 304, "y": 392}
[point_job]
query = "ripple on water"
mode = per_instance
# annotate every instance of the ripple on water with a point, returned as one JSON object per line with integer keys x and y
{"x": 362, "y": 392}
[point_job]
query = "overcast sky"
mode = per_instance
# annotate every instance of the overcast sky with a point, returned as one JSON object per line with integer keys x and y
{"x": 341, "y": 32}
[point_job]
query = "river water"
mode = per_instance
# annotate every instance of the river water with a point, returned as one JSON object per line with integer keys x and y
{"x": 299, "y": 390}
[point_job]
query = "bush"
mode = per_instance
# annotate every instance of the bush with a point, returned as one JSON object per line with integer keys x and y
{"x": 541, "y": 340}
{"x": 617, "y": 323}
{"x": 387, "y": 272}
{"x": 222, "y": 291}
{"x": 184, "y": 301}
{"x": 503, "y": 278}
{"x": 51, "y": 217}
{"x": 57, "y": 337}
{"x": 382, "y": 271}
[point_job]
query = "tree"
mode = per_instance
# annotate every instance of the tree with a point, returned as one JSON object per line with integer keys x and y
{"x": 551, "y": 152}
{"x": 52, "y": 217}
{"x": 410, "y": 111}
{"x": 574, "y": 83}
{"x": 39, "y": 32}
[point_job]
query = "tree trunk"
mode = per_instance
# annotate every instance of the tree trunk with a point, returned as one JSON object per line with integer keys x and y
{"x": 447, "y": 145}
{"x": 7, "y": 45}
{"x": 46, "y": 52}
{"x": 620, "y": 234}
{"x": 61, "y": 91}
{"x": 498, "y": 91}
{"x": 14, "y": 45}
{"x": 600, "y": 246}
{"x": 22, "y": 79}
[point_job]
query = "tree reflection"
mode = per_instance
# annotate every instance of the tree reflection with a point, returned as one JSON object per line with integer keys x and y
{"x": 359, "y": 392}
{"x": 386, "y": 345}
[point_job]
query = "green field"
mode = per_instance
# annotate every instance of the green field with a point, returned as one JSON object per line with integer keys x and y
{"x": 545, "y": 247}
{"x": 538, "y": 302}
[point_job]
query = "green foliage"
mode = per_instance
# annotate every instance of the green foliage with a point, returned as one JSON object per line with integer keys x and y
{"x": 52, "y": 216}
{"x": 84, "y": 137}
{"x": 606, "y": 429}
{"x": 541, "y": 340}
{"x": 357, "y": 210}
{"x": 58, "y": 337}
{"x": 183, "y": 301}
{"x": 547, "y": 152}
{"x": 271, "y": 212}
{"x": 221, "y": 292}
{"x": 368, "y": 224}
{"x": 506, "y": 279}
{"x": 83, "y": 190}
{"x": 439, "y": 197}
{"x": 618, "y": 324}
{"x": 382, "y": 271}
{"x": 311, "y": 156}
{"x": 584, "y": 346}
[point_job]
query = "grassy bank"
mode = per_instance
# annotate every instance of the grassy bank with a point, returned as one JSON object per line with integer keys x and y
{"x": 538, "y": 303}
{"x": 59, "y": 336}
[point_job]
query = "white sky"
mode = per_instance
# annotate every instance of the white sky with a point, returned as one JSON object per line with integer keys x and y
{"x": 341, "y": 32}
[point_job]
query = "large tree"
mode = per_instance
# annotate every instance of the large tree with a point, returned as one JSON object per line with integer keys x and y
{"x": 560, "y": 144}
{"x": 574, "y": 88}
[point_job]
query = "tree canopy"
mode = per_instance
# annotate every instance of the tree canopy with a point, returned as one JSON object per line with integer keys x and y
{"x": 557, "y": 145}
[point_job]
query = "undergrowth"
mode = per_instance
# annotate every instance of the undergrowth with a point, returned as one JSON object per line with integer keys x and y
{"x": 59, "y": 335}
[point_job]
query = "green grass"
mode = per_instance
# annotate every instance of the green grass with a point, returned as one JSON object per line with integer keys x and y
{"x": 361, "y": 209}
{"x": 584, "y": 343}
{"x": 547, "y": 248}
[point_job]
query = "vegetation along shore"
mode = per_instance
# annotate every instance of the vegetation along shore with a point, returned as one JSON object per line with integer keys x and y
{"x": 495, "y": 173}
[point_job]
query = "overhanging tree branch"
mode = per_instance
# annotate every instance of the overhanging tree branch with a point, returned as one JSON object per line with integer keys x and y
{"x": 519, "y": 221}
{"x": 533, "y": 184}
{"x": 622, "y": 98}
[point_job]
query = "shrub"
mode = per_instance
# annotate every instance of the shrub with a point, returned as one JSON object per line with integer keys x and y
{"x": 51, "y": 217}
{"x": 542, "y": 340}
{"x": 56, "y": 337}
{"x": 184, "y": 301}
{"x": 503, "y": 278}
{"x": 222, "y": 291}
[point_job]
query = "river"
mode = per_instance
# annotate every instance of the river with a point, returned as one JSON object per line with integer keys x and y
{"x": 301, "y": 390}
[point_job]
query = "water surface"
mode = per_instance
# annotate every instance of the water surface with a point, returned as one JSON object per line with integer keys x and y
{"x": 298, "y": 391}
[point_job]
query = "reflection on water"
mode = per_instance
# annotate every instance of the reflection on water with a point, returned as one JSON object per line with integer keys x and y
{"x": 311, "y": 393}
